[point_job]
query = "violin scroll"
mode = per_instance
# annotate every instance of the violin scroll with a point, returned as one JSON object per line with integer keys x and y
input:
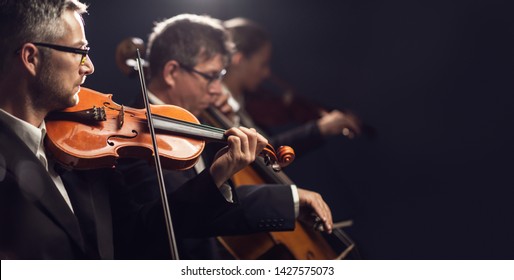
{"x": 285, "y": 155}
{"x": 125, "y": 59}
{"x": 278, "y": 160}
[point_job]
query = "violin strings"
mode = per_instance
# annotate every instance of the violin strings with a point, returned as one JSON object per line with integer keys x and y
{"x": 209, "y": 132}
{"x": 185, "y": 123}
{"x": 200, "y": 126}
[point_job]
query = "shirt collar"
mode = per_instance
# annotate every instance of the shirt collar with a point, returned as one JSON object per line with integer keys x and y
{"x": 31, "y": 135}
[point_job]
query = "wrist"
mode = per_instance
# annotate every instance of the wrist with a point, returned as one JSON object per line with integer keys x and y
{"x": 218, "y": 176}
{"x": 321, "y": 126}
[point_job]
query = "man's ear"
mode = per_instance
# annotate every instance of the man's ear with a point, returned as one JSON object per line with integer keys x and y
{"x": 30, "y": 57}
{"x": 236, "y": 58}
{"x": 169, "y": 72}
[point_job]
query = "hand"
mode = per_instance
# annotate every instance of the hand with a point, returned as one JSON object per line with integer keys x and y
{"x": 244, "y": 144}
{"x": 312, "y": 205}
{"x": 337, "y": 122}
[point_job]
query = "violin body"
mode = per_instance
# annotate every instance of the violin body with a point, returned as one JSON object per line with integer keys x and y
{"x": 77, "y": 139}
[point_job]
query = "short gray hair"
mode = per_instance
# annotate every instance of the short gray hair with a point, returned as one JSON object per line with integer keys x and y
{"x": 23, "y": 21}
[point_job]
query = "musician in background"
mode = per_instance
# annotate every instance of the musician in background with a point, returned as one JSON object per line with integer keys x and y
{"x": 249, "y": 67}
{"x": 187, "y": 56}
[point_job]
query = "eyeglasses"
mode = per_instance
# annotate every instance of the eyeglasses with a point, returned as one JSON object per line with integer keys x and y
{"x": 83, "y": 52}
{"x": 210, "y": 78}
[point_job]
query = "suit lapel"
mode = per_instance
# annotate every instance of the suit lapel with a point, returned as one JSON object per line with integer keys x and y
{"x": 35, "y": 183}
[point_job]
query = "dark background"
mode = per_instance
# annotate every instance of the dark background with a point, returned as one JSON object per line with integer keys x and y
{"x": 434, "y": 78}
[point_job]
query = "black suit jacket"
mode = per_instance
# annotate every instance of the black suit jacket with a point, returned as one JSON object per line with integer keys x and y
{"x": 36, "y": 222}
{"x": 254, "y": 206}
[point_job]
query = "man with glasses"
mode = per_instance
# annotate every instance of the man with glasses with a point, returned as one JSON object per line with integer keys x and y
{"x": 187, "y": 55}
{"x": 47, "y": 212}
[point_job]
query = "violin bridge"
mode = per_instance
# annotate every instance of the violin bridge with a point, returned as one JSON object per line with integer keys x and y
{"x": 121, "y": 117}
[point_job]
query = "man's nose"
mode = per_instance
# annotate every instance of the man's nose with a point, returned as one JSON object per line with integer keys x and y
{"x": 89, "y": 66}
{"x": 215, "y": 88}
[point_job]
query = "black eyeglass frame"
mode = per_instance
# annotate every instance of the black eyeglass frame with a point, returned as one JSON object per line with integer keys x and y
{"x": 209, "y": 78}
{"x": 83, "y": 52}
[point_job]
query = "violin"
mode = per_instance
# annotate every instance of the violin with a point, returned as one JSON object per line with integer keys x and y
{"x": 284, "y": 106}
{"x": 97, "y": 131}
{"x": 124, "y": 55}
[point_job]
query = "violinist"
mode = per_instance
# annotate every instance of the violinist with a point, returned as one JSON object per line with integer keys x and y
{"x": 249, "y": 67}
{"x": 187, "y": 71}
{"x": 47, "y": 212}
